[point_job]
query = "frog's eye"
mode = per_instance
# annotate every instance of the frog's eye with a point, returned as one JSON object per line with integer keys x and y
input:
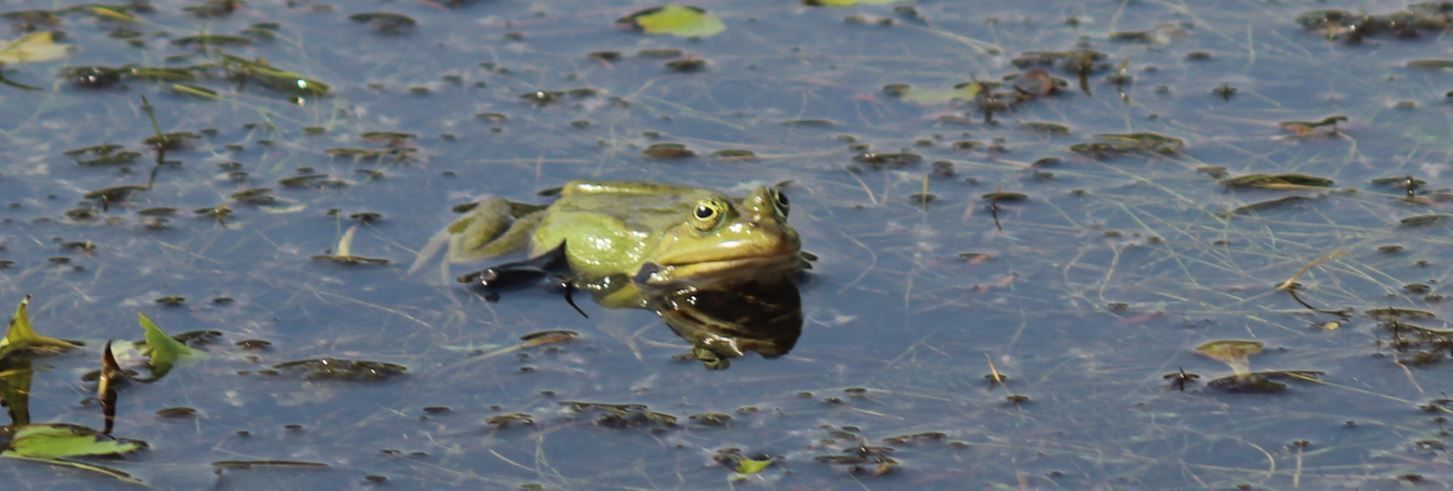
{"x": 779, "y": 200}
{"x": 707, "y": 214}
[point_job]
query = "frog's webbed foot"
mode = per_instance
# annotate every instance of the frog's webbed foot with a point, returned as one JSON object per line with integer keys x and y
{"x": 552, "y": 264}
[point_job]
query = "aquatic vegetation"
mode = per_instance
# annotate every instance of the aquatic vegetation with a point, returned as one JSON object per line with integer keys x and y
{"x": 385, "y": 22}
{"x": 57, "y": 444}
{"x": 162, "y": 351}
{"x": 1418, "y": 19}
{"x": 343, "y": 369}
{"x": 622, "y": 416}
{"x": 261, "y": 72}
{"x": 1304, "y": 128}
{"x": 21, "y": 337}
{"x": 1277, "y": 181}
{"x": 676, "y": 20}
{"x": 667, "y": 151}
{"x": 32, "y": 48}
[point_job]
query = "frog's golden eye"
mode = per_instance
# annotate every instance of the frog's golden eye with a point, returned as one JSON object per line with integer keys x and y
{"x": 779, "y": 200}
{"x": 708, "y": 214}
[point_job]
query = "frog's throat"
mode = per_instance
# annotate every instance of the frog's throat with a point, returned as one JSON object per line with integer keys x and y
{"x": 738, "y": 268}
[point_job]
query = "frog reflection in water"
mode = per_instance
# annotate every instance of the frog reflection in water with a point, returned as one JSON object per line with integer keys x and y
{"x": 634, "y": 244}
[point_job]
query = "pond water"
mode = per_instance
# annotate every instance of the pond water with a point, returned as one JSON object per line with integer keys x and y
{"x": 1027, "y": 217}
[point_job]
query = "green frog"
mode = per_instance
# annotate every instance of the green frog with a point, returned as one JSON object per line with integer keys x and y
{"x": 628, "y": 241}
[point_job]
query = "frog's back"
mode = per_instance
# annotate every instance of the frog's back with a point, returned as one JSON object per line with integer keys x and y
{"x": 641, "y": 206}
{"x": 608, "y": 226}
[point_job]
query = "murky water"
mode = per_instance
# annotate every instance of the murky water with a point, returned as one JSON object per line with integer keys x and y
{"x": 1123, "y": 255}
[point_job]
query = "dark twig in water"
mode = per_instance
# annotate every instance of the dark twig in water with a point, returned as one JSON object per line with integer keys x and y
{"x": 570, "y": 297}
{"x": 994, "y": 211}
{"x": 1339, "y": 313}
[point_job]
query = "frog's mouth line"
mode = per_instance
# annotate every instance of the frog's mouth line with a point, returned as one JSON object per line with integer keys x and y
{"x": 717, "y": 270}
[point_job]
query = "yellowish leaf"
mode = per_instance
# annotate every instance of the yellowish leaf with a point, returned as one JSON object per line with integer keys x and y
{"x": 33, "y": 47}
{"x": 675, "y": 20}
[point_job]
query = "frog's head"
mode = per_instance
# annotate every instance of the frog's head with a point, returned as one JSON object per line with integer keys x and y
{"x": 722, "y": 240}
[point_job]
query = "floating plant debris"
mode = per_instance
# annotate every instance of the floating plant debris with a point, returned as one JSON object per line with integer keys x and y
{"x": 1047, "y": 128}
{"x": 686, "y": 65}
{"x": 170, "y": 141}
{"x": 212, "y": 40}
{"x": 510, "y": 419}
{"x": 398, "y": 154}
{"x": 342, "y": 369}
{"x": 114, "y": 194}
{"x": 385, "y": 22}
{"x": 1004, "y": 196}
{"x": 102, "y": 155}
{"x": 747, "y": 467}
{"x": 250, "y": 464}
{"x": 711, "y": 419}
{"x": 213, "y": 8}
{"x": 809, "y": 123}
{"x": 21, "y": 336}
{"x": 879, "y": 160}
{"x": 32, "y": 48}
{"x": 1304, "y": 128}
{"x": 1423, "y": 220}
{"x": 623, "y": 415}
{"x": 1277, "y": 181}
{"x": 176, "y": 412}
{"x": 1261, "y": 206}
{"x": 1123, "y": 143}
{"x": 665, "y": 151}
{"x": 1355, "y": 27}
{"x": 195, "y": 90}
{"x": 255, "y": 196}
{"x": 845, "y": 3}
{"x": 676, "y": 20}
{"x": 1234, "y": 352}
{"x": 930, "y": 436}
{"x": 263, "y": 73}
{"x": 1263, "y": 382}
{"x": 344, "y": 254}
{"x": 1389, "y": 313}
{"x": 162, "y": 351}
{"x": 57, "y": 443}
{"x": 732, "y": 154}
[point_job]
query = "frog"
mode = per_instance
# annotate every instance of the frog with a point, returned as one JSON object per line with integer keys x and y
{"x": 628, "y": 241}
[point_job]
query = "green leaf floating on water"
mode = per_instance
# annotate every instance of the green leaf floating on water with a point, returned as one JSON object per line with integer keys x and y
{"x": 677, "y": 20}
{"x": 748, "y": 467}
{"x": 845, "y": 3}
{"x": 161, "y": 348}
{"x": 53, "y": 443}
{"x": 1235, "y": 353}
{"x": 21, "y": 336}
{"x": 33, "y": 47}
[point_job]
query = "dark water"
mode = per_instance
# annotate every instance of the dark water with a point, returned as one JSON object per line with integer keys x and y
{"x": 1103, "y": 280}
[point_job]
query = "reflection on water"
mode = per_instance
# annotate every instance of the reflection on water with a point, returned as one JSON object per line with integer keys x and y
{"x": 760, "y": 317}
